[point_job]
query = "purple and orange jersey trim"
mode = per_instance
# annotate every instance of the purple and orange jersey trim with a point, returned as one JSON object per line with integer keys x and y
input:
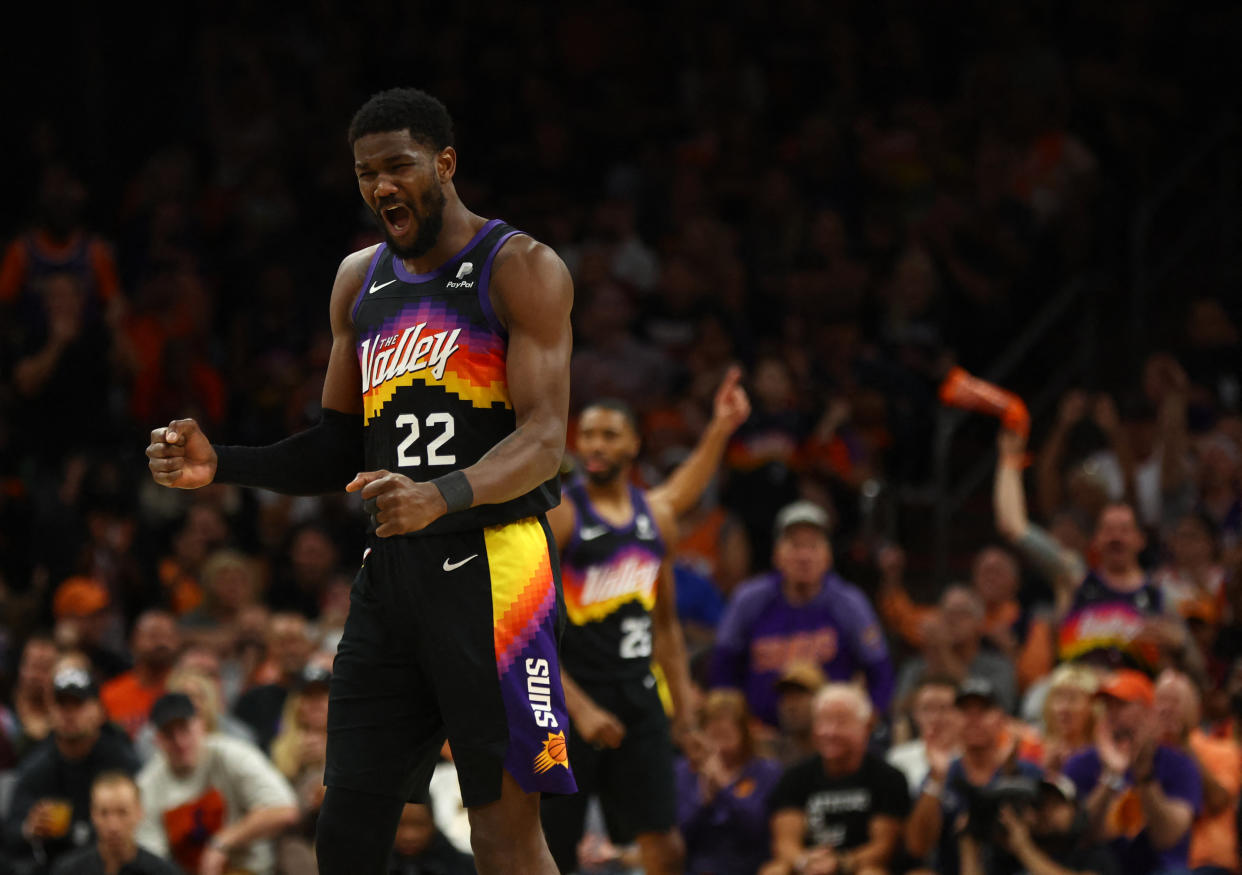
{"x": 429, "y": 342}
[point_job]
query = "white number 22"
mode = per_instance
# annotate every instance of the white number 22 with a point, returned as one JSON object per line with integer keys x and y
{"x": 434, "y": 457}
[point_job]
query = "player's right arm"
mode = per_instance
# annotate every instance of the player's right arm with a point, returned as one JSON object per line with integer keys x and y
{"x": 321, "y": 459}
{"x": 597, "y": 726}
{"x": 684, "y": 487}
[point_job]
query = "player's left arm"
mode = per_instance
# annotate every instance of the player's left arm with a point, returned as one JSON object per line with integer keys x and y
{"x": 730, "y": 409}
{"x": 532, "y": 294}
{"x": 668, "y": 643}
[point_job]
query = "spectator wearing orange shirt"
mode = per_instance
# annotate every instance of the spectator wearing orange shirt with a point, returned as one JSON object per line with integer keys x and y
{"x": 1022, "y": 637}
{"x": 128, "y": 698}
{"x": 1214, "y": 834}
{"x": 59, "y": 244}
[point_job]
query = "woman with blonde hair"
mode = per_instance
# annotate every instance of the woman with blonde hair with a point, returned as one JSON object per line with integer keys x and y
{"x": 723, "y": 789}
{"x": 1068, "y": 714}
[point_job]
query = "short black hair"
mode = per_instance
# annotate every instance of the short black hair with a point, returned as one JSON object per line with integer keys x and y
{"x": 404, "y": 109}
{"x": 617, "y": 406}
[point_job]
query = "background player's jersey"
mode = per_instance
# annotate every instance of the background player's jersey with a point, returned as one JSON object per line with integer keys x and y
{"x": 610, "y": 576}
{"x": 435, "y": 395}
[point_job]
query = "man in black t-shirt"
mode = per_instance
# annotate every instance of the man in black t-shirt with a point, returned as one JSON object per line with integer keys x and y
{"x": 842, "y": 809}
{"x": 115, "y": 812}
{"x": 49, "y": 814}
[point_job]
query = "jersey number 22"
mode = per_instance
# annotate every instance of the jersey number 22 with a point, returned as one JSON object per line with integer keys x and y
{"x": 434, "y": 456}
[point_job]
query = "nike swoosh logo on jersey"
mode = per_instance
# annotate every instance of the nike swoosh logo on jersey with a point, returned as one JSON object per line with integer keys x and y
{"x": 453, "y": 566}
{"x": 590, "y": 533}
{"x": 375, "y": 287}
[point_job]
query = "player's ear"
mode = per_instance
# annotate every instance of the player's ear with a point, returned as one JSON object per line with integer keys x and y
{"x": 446, "y": 164}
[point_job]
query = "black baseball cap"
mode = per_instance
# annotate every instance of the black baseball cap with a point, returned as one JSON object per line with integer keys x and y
{"x": 170, "y": 707}
{"x": 977, "y": 688}
{"x": 75, "y": 683}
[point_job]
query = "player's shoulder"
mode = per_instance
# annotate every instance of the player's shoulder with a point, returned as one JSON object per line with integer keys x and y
{"x": 663, "y": 514}
{"x": 350, "y": 275}
{"x": 522, "y": 250}
{"x": 522, "y": 262}
{"x": 357, "y": 262}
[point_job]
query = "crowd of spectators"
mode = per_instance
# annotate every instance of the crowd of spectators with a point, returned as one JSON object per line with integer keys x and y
{"x": 847, "y": 198}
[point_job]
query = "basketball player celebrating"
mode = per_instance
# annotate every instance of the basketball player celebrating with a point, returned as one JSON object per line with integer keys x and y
{"x": 448, "y": 387}
{"x": 615, "y": 542}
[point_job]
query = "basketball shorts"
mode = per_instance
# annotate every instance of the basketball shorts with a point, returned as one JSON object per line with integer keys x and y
{"x": 634, "y": 782}
{"x": 452, "y": 636}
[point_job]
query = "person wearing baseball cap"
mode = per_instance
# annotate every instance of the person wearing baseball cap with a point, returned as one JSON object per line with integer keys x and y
{"x": 50, "y": 814}
{"x": 84, "y": 613}
{"x": 211, "y": 803}
{"x": 1048, "y": 834}
{"x": 801, "y": 609}
{"x": 795, "y": 689}
{"x": 985, "y": 759}
{"x": 1141, "y": 796}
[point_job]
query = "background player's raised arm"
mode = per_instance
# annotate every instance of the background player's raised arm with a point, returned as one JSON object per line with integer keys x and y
{"x": 685, "y": 485}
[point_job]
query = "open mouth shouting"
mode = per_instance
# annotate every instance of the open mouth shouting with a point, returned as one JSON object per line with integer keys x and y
{"x": 398, "y": 218}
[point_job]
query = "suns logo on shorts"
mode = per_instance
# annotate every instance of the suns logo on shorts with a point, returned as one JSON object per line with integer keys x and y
{"x": 553, "y": 753}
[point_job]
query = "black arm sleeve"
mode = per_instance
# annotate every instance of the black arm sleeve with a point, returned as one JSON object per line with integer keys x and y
{"x": 319, "y": 460}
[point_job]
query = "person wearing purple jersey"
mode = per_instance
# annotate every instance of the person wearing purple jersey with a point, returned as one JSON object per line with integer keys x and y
{"x": 802, "y": 610}
{"x": 1116, "y": 616}
{"x": 621, "y": 600}
{"x": 445, "y": 406}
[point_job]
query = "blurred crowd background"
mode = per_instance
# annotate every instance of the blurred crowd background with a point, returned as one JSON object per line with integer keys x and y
{"x": 848, "y": 198}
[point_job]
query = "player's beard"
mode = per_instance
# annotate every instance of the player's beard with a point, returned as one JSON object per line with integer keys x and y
{"x": 430, "y": 218}
{"x": 605, "y": 476}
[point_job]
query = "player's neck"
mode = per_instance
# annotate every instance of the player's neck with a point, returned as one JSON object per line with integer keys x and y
{"x": 460, "y": 226}
{"x": 611, "y": 498}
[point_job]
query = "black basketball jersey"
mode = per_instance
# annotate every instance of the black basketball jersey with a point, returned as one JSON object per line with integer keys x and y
{"x": 609, "y": 575}
{"x": 435, "y": 395}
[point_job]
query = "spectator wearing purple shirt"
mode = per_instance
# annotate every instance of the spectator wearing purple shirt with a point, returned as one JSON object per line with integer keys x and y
{"x": 723, "y": 790}
{"x": 1141, "y": 796}
{"x": 802, "y": 611}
